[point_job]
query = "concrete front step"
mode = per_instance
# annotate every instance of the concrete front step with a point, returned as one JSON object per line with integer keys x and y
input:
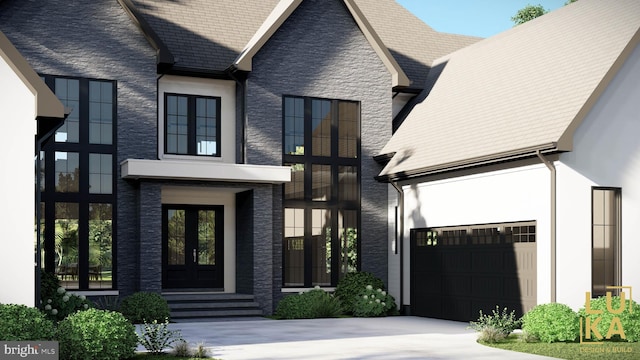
{"x": 202, "y": 305}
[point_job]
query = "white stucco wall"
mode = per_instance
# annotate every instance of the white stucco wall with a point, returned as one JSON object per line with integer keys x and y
{"x": 17, "y": 145}
{"x": 225, "y": 89}
{"x": 520, "y": 194}
{"x": 606, "y": 153}
{"x": 212, "y": 196}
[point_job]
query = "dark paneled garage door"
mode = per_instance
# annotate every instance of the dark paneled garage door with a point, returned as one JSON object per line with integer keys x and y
{"x": 458, "y": 271}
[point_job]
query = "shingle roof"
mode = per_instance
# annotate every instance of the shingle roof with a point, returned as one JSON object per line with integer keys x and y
{"x": 523, "y": 90}
{"x": 208, "y": 35}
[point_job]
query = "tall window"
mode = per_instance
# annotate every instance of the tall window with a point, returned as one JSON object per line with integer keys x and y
{"x": 322, "y": 201}
{"x": 606, "y": 240}
{"x": 192, "y": 125}
{"x": 77, "y": 186}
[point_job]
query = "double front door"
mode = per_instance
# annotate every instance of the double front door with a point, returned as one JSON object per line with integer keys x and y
{"x": 192, "y": 247}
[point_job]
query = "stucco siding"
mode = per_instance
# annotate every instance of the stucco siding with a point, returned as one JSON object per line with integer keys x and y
{"x": 606, "y": 153}
{"x": 519, "y": 194}
{"x": 17, "y": 133}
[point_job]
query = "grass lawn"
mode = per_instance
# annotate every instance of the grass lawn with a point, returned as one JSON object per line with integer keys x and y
{"x": 606, "y": 350}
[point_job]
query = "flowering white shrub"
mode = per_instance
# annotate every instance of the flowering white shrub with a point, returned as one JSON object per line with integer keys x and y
{"x": 62, "y": 304}
{"x": 374, "y": 303}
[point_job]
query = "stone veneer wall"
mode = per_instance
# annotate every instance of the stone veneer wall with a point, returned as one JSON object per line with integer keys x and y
{"x": 320, "y": 52}
{"x": 97, "y": 39}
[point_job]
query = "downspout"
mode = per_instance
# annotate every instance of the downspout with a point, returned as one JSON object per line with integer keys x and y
{"x": 243, "y": 134}
{"x": 400, "y": 237}
{"x": 552, "y": 168}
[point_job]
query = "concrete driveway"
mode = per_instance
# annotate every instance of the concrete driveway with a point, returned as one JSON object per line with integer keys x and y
{"x": 398, "y": 337}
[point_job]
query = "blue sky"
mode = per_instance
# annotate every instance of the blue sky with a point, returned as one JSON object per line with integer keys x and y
{"x": 482, "y": 18}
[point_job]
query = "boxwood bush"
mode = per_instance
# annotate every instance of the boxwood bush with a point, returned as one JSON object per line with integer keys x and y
{"x": 352, "y": 286}
{"x": 143, "y": 307}
{"x": 552, "y": 322}
{"x": 21, "y": 323}
{"x": 96, "y": 335}
{"x": 630, "y": 321}
{"x": 311, "y": 304}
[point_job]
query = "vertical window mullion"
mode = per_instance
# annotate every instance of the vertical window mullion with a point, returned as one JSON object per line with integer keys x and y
{"x": 191, "y": 125}
{"x": 83, "y": 185}
{"x": 218, "y": 127}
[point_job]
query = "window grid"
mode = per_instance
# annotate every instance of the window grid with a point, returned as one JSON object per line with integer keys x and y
{"x": 192, "y": 125}
{"x": 481, "y": 234}
{"x": 324, "y": 182}
{"x": 68, "y": 92}
{"x": 100, "y": 112}
{"x": 606, "y": 240}
{"x": 78, "y": 173}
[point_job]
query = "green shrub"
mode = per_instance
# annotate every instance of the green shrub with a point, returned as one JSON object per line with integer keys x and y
{"x": 20, "y": 323}
{"x": 96, "y": 335}
{"x": 495, "y": 326}
{"x": 373, "y": 302}
{"x": 143, "y": 307}
{"x": 352, "y": 285}
{"x": 551, "y": 323}
{"x": 62, "y": 304}
{"x": 630, "y": 321}
{"x": 311, "y": 304}
{"x": 49, "y": 284}
{"x": 155, "y": 337}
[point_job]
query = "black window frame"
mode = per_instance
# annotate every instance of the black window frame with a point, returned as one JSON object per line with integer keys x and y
{"x": 616, "y": 265}
{"x": 334, "y": 204}
{"x": 49, "y": 197}
{"x": 191, "y": 125}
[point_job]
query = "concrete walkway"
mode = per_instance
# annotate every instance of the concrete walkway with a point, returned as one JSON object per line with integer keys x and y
{"x": 398, "y": 337}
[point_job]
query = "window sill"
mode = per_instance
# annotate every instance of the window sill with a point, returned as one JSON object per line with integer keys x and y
{"x": 298, "y": 290}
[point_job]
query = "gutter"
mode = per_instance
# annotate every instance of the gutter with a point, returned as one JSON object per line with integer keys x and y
{"x": 553, "y": 179}
{"x": 465, "y": 164}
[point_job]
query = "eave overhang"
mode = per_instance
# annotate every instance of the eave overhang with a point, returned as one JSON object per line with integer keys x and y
{"x": 388, "y": 177}
{"x": 49, "y": 111}
{"x": 136, "y": 169}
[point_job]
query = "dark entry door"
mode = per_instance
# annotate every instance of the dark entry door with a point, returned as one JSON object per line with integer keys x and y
{"x": 192, "y": 247}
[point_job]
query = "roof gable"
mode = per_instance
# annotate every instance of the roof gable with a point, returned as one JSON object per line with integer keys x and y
{"x": 523, "y": 90}
{"x": 286, "y": 7}
{"x": 208, "y": 37}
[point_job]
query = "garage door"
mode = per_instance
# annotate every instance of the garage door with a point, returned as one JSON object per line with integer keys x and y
{"x": 458, "y": 271}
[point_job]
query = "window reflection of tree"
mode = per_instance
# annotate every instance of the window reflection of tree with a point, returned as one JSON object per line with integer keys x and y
{"x": 176, "y": 234}
{"x": 206, "y": 237}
